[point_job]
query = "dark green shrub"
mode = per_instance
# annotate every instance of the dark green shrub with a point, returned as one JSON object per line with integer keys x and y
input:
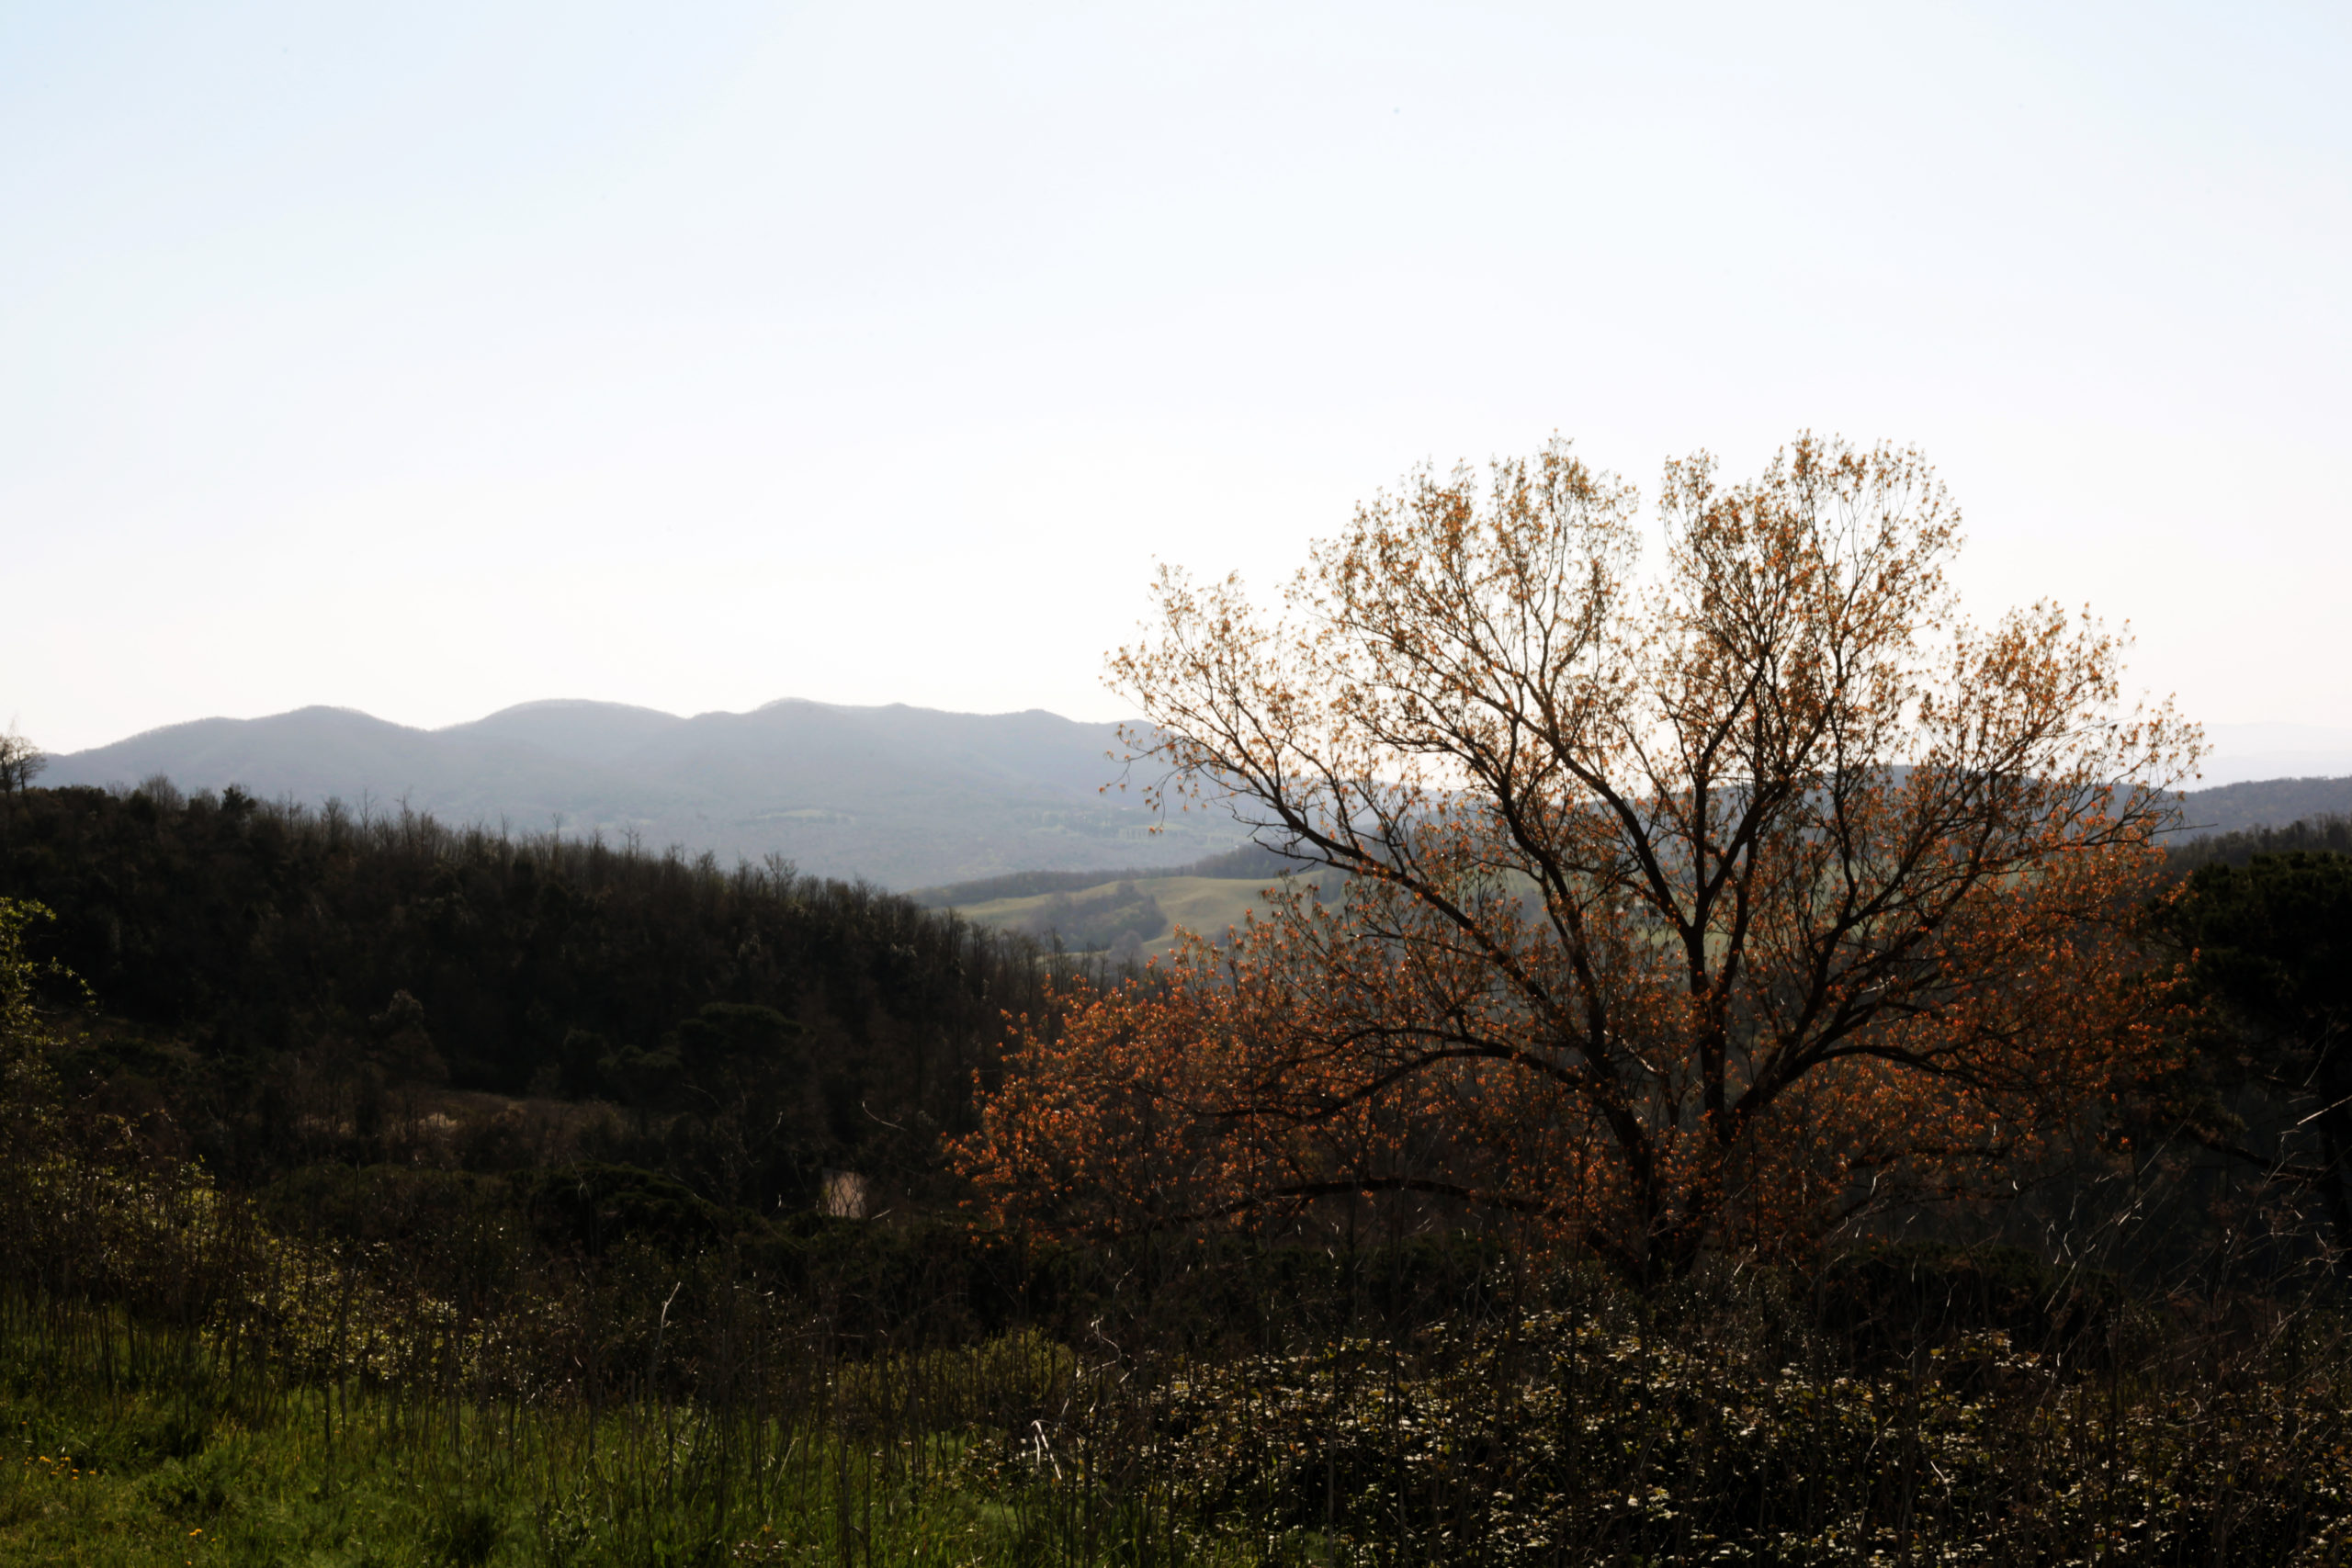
{"x": 466, "y": 1535}
{"x": 197, "y": 1488}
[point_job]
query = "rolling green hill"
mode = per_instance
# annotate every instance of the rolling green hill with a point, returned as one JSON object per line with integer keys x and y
{"x": 1133, "y": 914}
{"x": 1210, "y": 905}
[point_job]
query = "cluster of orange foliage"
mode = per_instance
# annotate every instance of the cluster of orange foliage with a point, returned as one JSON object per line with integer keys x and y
{"x": 1709, "y": 906}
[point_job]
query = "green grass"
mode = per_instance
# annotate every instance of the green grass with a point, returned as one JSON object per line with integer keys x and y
{"x": 173, "y": 1470}
{"x": 183, "y": 1382}
{"x": 145, "y": 1478}
{"x": 1720, "y": 1428}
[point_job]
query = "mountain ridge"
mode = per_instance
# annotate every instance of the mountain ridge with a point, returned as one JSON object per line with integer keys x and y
{"x": 906, "y": 796}
{"x": 901, "y": 795}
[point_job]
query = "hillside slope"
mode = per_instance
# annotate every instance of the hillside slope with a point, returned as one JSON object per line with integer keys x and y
{"x": 2263, "y": 803}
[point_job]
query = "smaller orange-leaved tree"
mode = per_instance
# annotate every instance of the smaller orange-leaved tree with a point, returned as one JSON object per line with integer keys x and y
{"x": 1708, "y": 905}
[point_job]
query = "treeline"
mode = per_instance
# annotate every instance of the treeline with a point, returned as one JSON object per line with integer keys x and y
{"x": 2329, "y": 833}
{"x": 287, "y": 984}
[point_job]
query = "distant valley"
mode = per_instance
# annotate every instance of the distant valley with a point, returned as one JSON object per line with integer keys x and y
{"x": 1135, "y": 914}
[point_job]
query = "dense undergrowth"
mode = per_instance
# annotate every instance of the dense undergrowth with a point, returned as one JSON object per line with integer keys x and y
{"x": 186, "y": 1383}
{"x": 273, "y": 1289}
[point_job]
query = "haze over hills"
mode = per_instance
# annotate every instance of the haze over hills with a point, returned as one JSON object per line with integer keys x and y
{"x": 2243, "y": 752}
{"x": 902, "y": 796}
{"x": 898, "y": 795}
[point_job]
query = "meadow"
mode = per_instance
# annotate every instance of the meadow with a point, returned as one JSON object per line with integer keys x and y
{"x": 1210, "y": 904}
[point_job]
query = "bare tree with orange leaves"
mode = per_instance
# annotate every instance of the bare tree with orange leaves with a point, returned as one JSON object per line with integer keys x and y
{"x": 1705, "y": 905}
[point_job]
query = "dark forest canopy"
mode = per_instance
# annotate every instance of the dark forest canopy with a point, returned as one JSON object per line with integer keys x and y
{"x": 2331, "y": 832}
{"x": 266, "y": 971}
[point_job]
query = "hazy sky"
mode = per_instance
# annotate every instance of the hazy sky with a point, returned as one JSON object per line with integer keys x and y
{"x": 430, "y": 358}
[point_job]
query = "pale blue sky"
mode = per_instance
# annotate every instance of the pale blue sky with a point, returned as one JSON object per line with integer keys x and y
{"x": 449, "y": 356}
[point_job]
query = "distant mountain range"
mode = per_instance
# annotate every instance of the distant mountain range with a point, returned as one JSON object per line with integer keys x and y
{"x": 906, "y": 797}
{"x": 902, "y": 796}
